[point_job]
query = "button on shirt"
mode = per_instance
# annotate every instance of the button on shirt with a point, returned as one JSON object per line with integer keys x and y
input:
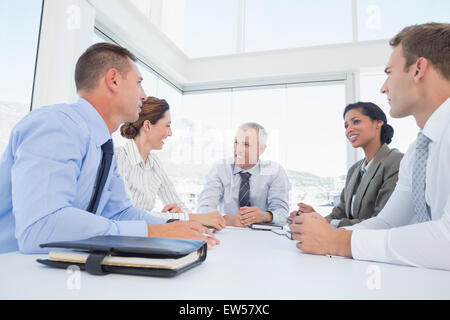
{"x": 47, "y": 176}
{"x": 269, "y": 189}
{"x": 400, "y": 239}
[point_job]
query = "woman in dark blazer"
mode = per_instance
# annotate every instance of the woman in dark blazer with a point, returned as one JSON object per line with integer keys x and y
{"x": 370, "y": 181}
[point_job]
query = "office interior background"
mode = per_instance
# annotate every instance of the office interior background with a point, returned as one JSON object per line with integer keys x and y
{"x": 290, "y": 65}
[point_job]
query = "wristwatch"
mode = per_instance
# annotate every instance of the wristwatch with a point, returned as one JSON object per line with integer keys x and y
{"x": 270, "y": 213}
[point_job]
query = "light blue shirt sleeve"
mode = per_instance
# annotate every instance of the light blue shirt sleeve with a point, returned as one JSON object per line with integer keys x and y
{"x": 212, "y": 193}
{"x": 119, "y": 206}
{"x": 278, "y": 197}
{"x": 49, "y": 188}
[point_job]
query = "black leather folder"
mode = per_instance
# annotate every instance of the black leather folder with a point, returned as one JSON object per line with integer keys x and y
{"x": 160, "y": 257}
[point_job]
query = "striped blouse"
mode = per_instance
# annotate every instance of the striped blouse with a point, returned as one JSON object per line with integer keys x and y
{"x": 145, "y": 181}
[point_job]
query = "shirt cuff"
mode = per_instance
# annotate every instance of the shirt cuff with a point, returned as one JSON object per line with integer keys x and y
{"x": 369, "y": 245}
{"x": 335, "y": 222}
{"x": 278, "y": 217}
{"x": 151, "y": 219}
{"x": 132, "y": 228}
{"x": 181, "y": 216}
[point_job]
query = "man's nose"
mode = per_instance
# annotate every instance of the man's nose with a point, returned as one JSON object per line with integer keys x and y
{"x": 143, "y": 95}
{"x": 383, "y": 88}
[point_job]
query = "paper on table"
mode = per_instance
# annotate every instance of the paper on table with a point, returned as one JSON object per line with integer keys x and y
{"x": 81, "y": 257}
{"x": 237, "y": 228}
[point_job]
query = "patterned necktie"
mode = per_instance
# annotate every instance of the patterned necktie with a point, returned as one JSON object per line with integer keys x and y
{"x": 419, "y": 177}
{"x": 102, "y": 175}
{"x": 244, "y": 190}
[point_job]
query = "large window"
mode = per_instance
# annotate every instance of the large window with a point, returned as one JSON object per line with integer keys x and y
{"x": 284, "y": 24}
{"x": 306, "y": 136}
{"x": 405, "y": 129}
{"x": 316, "y": 157}
{"x": 203, "y": 28}
{"x": 210, "y": 27}
{"x": 19, "y": 33}
{"x": 382, "y": 19}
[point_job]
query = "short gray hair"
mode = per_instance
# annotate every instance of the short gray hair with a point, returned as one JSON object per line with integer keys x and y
{"x": 262, "y": 133}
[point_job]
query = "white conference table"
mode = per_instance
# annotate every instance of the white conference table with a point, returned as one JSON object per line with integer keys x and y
{"x": 248, "y": 264}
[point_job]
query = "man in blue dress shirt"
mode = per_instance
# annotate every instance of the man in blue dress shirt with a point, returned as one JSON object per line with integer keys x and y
{"x": 49, "y": 168}
{"x": 247, "y": 190}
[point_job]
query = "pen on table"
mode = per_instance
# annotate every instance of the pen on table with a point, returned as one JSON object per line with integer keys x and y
{"x": 292, "y": 220}
{"x": 208, "y": 235}
{"x": 290, "y": 234}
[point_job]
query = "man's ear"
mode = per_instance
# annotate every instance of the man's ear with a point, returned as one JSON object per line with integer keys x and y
{"x": 112, "y": 79}
{"x": 420, "y": 67}
{"x": 262, "y": 148}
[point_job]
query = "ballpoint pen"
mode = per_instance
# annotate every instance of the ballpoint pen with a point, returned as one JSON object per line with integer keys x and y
{"x": 291, "y": 220}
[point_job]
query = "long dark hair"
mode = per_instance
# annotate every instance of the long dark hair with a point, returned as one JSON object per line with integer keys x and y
{"x": 374, "y": 112}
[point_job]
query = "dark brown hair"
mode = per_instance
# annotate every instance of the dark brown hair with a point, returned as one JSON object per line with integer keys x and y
{"x": 430, "y": 41}
{"x": 153, "y": 109}
{"x": 97, "y": 60}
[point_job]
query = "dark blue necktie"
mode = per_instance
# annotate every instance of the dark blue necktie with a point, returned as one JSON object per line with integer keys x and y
{"x": 102, "y": 175}
{"x": 244, "y": 190}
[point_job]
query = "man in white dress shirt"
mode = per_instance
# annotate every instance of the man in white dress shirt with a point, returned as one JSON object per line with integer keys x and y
{"x": 414, "y": 226}
{"x": 247, "y": 190}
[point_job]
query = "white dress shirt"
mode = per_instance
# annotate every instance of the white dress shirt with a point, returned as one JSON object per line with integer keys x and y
{"x": 269, "y": 189}
{"x": 145, "y": 181}
{"x": 395, "y": 236}
{"x": 363, "y": 169}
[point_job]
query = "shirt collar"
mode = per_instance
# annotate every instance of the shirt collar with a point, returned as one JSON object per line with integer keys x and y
{"x": 436, "y": 124}
{"x": 97, "y": 126}
{"x": 253, "y": 171}
{"x": 134, "y": 154}
{"x": 365, "y": 166}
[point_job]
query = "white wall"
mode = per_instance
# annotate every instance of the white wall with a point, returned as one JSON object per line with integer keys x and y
{"x": 286, "y": 63}
{"x": 67, "y": 27}
{"x": 127, "y": 25}
{"x": 134, "y": 30}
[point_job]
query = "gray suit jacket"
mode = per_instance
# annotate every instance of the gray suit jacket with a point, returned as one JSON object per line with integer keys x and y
{"x": 373, "y": 191}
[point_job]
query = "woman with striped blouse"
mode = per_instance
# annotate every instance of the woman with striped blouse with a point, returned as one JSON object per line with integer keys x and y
{"x": 142, "y": 171}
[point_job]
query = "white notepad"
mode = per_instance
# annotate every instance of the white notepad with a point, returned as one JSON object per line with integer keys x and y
{"x": 81, "y": 257}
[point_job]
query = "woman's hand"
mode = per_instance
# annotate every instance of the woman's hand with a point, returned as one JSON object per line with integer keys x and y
{"x": 211, "y": 219}
{"x": 172, "y": 208}
{"x": 305, "y": 208}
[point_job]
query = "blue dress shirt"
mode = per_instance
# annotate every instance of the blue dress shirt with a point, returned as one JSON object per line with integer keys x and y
{"x": 269, "y": 189}
{"x": 47, "y": 176}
